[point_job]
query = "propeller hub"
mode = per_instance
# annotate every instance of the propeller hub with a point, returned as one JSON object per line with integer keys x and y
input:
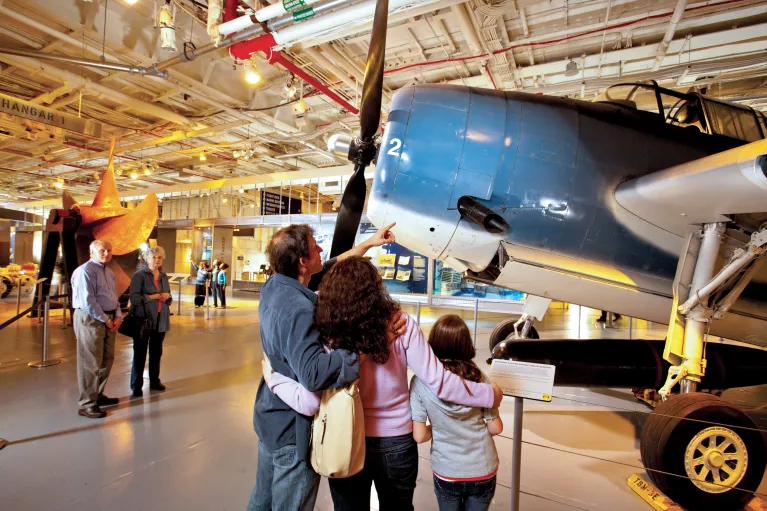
{"x": 363, "y": 152}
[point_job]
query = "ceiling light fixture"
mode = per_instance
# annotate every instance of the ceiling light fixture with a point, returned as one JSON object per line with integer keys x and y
{"x": 131, "y": 2}
{"x": 59, "y": 184}
{"x": 133, "y": 175}
{"x": 571, "y": 69}
{"x": 251, "y": 75}
{"x": 203, "y": 157}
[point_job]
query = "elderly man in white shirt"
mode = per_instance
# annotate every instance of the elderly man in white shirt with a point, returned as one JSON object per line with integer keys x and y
{"x": 96, "y": 319}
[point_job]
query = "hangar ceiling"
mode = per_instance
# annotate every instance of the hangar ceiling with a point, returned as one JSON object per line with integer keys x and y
{"x": 205, "y": 122}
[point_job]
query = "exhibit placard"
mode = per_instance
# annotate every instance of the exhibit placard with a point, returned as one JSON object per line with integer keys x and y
{"x": 524, "y": 379}
{"x": 33, "y": 112}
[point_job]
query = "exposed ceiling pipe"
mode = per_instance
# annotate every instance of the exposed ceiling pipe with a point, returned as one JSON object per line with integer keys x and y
{"x": 114, "y": 95}
{"x": 467, "y": 28}
{"x": 320, "y": 59}
{"x": 344, "y": 61}
{"x": 112, "y": 66}
{"x": 276, "y": 57}
{"x": 681, "y": 5}
{"x": 20, "y": 38}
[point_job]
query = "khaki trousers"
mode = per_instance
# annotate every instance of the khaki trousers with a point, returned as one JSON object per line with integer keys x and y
{"x": 95, "y": 354}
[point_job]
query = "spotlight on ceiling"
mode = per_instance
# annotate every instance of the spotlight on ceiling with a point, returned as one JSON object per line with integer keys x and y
{"x": 133, "y": 175}
{"x": 131, "y": 2}
{"x": 251, "y": 75}
{"x": 290, "y": 87}
{"x": 571, "y": 69}
{"x": 59, "y": 183}
{"x": 203, "y": 157}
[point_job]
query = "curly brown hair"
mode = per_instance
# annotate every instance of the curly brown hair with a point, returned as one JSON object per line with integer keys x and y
{"x": 354, "y": 310}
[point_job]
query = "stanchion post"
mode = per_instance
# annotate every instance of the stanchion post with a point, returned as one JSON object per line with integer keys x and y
{"x": 207, "y": 302}
{"x": 631, "y": 327}
{"x": 609, "y": 323}
{"x": 516, "y": 452}
{"x": 44, "y": 362}
{"x": 64, "y": 312}
{"x": 476, "y": 320}
{"x": 179, "y": 296}
{"x": 580, "y": 308}
{"x": 418, "y": 314}
{"x": 18, "y": 298}
{"x": 39, "y": 300}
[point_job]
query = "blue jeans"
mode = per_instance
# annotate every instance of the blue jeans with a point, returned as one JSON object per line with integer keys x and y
{"x": 283, "y": 482}
{"x": 464, "y": 496}
{"x": 392, "y": 464}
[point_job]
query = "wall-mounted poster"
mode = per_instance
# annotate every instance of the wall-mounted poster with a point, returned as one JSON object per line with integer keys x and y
{"x": 387, "y": 259}
{"x": 404, "y": 260}
{"x": 419, "y": 262}
{"x": 403, "y": 275}
{"x": 389, "y": 273}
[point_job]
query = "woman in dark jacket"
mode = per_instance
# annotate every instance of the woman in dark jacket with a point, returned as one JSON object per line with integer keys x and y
{"x": 150, "y": 297}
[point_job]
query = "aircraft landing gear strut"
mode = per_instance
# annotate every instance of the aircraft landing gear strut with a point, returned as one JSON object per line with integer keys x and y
{"x": 700, "y": 450}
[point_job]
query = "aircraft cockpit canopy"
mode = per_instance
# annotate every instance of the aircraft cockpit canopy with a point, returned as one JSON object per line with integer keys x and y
{"x": 693, "y": 110}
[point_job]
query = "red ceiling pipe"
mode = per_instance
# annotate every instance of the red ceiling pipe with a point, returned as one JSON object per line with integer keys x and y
{"x": 230, "y": 10}
{"x": 242, "y": 50}
{"x": 276, "y": 57}
{"x": 264, "y": 43}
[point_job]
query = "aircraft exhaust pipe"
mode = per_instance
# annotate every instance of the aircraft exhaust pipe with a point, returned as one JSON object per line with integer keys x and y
{"x": 633, "y": 363}
{"x": 480, "y": 214}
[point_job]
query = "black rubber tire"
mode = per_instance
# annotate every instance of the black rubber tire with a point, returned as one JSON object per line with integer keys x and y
{"x": 666, "y": 435}
{"x": 504, "y": 329}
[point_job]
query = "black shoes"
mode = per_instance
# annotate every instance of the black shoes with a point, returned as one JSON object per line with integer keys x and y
{"x": 106, "y": 401}
{"x": 157, "y": 386}
{"x": 92, "y": 412}
{"x": 137, "y": 392}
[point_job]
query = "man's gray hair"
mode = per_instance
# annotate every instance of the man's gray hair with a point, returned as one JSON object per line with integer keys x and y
{"x": 99, "y": 243}
{"x": 151, "y": 252}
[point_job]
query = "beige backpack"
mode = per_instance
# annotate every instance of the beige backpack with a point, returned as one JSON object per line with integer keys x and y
{"x": 338, "y": 433}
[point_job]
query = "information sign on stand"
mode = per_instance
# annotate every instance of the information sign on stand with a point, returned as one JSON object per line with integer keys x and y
{"x": 521, "y": 380}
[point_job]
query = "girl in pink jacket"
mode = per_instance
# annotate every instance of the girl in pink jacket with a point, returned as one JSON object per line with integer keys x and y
{"x": 353, "y": 312}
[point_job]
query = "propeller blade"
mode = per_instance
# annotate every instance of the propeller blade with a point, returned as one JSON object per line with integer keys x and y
{"x": 353, "y": 200}
{"x": 350, "y": 212}
{"x": 372, "y": 87}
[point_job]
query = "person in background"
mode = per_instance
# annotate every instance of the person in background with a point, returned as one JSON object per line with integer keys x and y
{"x": 150, "y": 297}
{"x": 96, "y": 318}
{"x": 463, "y": 455}
{"x": 603, "y": 317}
{"x": 353, "y": 313}
{"x": 203, "y": 275}
{"x": 213, "y": 284}
{"x": 222, "y": 281}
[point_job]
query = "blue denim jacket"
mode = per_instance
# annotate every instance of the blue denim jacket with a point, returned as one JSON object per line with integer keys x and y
{"x": 293, "y": 347}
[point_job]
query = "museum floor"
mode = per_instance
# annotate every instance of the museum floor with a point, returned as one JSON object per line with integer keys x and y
{"x": 193, "y": 446}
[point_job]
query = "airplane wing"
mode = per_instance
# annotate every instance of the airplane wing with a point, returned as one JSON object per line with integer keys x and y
{"x": 712, "y": 189}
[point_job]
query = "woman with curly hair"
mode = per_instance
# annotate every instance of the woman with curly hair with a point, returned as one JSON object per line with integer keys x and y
{"x": 353, "y": 312}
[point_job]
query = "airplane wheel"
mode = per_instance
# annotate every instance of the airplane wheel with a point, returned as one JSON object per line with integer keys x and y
{"x": 715, "y": 448}
{"x": 5, "y": 286}
{"x": 504, "y": 329}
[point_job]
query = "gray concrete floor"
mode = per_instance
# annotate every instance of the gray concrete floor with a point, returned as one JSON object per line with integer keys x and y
{"x": 193, "y": 446}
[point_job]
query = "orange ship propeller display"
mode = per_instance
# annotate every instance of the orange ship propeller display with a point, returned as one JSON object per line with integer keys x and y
{"x": 106, "y": 219}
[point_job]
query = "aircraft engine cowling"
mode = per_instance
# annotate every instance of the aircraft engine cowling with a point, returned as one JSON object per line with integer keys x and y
{"x": 441, "y": 145}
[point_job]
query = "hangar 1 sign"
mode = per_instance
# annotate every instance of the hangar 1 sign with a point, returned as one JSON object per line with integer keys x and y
{"x": 26, "y": 110}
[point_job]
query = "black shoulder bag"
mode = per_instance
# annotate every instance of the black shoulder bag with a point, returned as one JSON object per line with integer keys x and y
{"x": 134, "y": 326}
